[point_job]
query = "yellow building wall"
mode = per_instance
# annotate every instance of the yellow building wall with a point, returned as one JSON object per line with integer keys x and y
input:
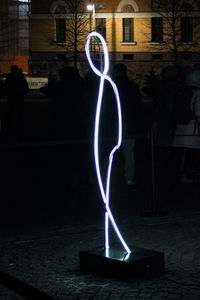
{"x": 142, "y": 35}
{"x": 43, "y": 36}
{"x": 43, "y": 30}
{"x": 112, "y": 5}
{"x": 43, "y": 6}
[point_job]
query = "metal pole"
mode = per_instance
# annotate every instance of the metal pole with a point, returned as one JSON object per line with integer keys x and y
{"x": 90, "y": 18}
{"x": 29, "y": 33}
{"x": 153, "y": 201}
{"x": 90, "y": 22}
{"x": 93, "y": 15}
{"x": 100, "y": 54}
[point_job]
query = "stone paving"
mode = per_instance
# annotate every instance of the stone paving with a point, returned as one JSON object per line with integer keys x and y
{"x": 47, "y": 258}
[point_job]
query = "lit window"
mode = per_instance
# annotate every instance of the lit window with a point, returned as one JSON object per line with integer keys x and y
{"x": 128, "y": 30}
{"x": 156, "y": 29}
{"x": 101, "y": 26}
{"x": 186, "y": 29}
{"x": 60, "y": 30}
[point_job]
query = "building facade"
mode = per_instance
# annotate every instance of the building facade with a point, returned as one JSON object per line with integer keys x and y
{"x": 138, "y": 33}
{"x": 14, "y": 34}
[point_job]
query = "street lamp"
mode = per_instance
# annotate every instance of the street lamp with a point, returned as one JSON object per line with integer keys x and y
{"x": 29, "y": 35}
{"x": 91, "y": 8}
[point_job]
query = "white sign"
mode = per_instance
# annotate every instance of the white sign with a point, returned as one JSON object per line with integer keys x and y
{"x": 36, "y": 82}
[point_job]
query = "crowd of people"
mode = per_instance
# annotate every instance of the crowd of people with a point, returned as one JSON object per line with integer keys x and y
{"x": 176, "y": 127}
{"x": 175, "y": 122}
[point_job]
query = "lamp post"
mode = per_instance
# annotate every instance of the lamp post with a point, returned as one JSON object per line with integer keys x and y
{"x": 91, "y": 8}
{"x": 29, "y": 36}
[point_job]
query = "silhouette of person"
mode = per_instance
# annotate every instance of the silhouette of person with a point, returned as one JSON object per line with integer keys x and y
{"x": 108, "y": 127}
{"x": 91, "y": 88}
{"x": 164, "y": 124}
{"x": 16, "y": 87}
{"x": 132, "y": 117}
{"x": 67, "y": 97}
{"x": 164, "y": 130}
{"x": 187, "y": 136}
{"x": 48, "y": 90}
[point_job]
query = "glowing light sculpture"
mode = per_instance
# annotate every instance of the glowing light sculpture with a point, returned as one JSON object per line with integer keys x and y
{"x": 105, "y": 192}
{"x": 111, "y": 260}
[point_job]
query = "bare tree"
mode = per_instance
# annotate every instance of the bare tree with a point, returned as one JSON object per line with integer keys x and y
{"x": 176, "y": 18}
{"x": 77, "y": 26}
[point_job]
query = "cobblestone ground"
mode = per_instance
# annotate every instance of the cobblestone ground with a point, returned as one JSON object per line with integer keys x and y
{"x": 48, "y": 259}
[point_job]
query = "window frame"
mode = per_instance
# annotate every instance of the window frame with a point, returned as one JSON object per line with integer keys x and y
{"x": 101, "y": 28}
{"x": 187, "y": 29}
{"x": 156, "y": 30}
{"x": 60, "y": 30}
{"x": 130, "y": 27}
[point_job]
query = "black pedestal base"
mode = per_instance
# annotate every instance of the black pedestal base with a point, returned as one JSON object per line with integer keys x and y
{"x": 116, "y": 262}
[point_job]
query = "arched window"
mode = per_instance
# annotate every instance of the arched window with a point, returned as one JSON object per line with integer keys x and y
{"x": 58, "y": 7}
{"x": 187, "y": 7}
{"x": 131, "y": 5}
{"x": 128, "y": 6}
{"x": 58, "y": 10}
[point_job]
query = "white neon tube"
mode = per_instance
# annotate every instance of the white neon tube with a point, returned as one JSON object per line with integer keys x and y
{"x": 105, "y": 193}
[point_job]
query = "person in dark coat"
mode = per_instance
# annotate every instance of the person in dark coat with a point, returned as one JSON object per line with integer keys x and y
{"x": 16, "y": 87}
{"x": 163, "y": 120}
{"x": 91, "y": 89}
{"x": 186, "y": 140}
{"x": 67, "y": 97}
{"x": 108, "y": 121}
{"x": 164, "y": 130}
{"x": 132, "y": 117}
{"x": 67, "y": 101}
